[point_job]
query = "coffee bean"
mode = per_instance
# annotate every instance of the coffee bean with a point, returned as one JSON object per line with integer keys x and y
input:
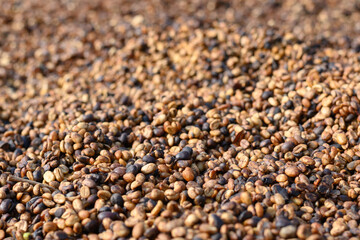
{"x": 183, "y": 155}
{"x": 117, "y": 199}
{"x": 5, "y": 206}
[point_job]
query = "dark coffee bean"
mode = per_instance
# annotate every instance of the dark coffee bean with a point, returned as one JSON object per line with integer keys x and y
{"x": 311, "y": 197}
{"x": 6, "y": 205}
{"x": 268, "y": 179}
{"x": 183, "y": 155}
{"x": 245, "y": 215}
{"x": 216, "y": 236}
{"x": 287, "y": 147}
{"x": 281, "y": 222}
{"x": 149, "y": 159}
{"x": 38, "y": 234}
{"x": 83, "y": 159}
{"x": 132, "y": 169}
{"x": 350, "y": 117}
{"x": 123, "y": 138}
{"x": 59, "y": 212}
{"x": 199, "y": 200}
{"x": 344, "y": 198}
{"x": 105, "y": 209}
{"x": 92, "y": 226}
{"x": 151, "y": 232}
{"x": 38, "y": 208}
{"x": 328, "y": 180}
{"x": 159, "y": 131}
{"x": 60, "y": 235}
{"x": 197, "y": 238}
{"x": 117, "y": 199}
{"x": 319, "y": 130}
{"x": 215, "y": 220}
{"x": 4, "y": 145}
{"x": 266, "y": 95}
{"x": 323, "y": 189}
{"x": 111, "y": 215}
{"x": 265, "y": 143}
{"x": 31, "y": 202}
{"x": 88, "y": 118}
{"x": 188, "y": 149}
{"x": 36, "y": 219}
{"x": 92, "y": 199}
{"x": 222, "y": 181}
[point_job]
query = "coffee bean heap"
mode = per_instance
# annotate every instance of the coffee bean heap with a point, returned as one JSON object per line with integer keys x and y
{"x": 178, "y": 120}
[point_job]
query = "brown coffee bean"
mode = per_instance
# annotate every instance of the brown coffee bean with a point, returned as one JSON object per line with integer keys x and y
{"x": 340, "y": 138}
{"x": 138, "y": 230}
{"x": 188, "y": 174}
{"x": 49, "y": 176}
{"x": 59, "y": 198}
{"x": 49, "y": 226}
{"x": 103, "y": 194}
{"x": 292, "y": 171}
{"x": 303, "y": 231}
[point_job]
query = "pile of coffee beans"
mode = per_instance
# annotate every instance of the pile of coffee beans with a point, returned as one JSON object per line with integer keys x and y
{"x": 179, "y": 120}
